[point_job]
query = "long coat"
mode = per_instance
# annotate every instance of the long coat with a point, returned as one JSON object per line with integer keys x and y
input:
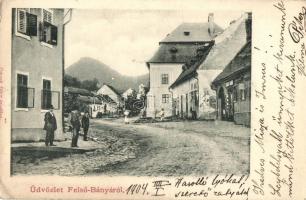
{"x": 85, "y": 122}
{"x": 75, "y": 119}
{"x": 50, "y": 122}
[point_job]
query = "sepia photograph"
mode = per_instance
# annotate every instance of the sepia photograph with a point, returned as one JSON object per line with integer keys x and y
{"x": 130, "y": 92}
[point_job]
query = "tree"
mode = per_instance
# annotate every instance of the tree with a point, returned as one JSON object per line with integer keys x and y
{"x": 70, "y": 81}
{"x": 91, "y": 85}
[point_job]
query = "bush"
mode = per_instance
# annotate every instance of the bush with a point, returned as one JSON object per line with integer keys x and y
{"x": 99, "y": 115}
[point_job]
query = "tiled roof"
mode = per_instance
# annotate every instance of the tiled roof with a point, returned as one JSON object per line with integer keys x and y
{"x": 227, "y": 45}
{"x": 106, "y": 98}
{"x": 175, "y": 53}
{"x": 241, "y": 62}
{"x": 80, "y": 91}
{"x": 192, "y": 65}
{"x": 192, "y": 32}
{"x": 88, "y": 99}
{"x": 115, "y": 90}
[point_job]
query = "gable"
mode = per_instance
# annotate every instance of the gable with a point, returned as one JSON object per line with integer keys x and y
{"x": 228, "y": 44}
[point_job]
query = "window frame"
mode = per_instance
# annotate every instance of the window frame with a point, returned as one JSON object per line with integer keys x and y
{"x": 166, "y": 98}
{"x": 164, "y": 75}
{"x": 242, "y": 91}
{"x": 16, "y": 92}
{"x": 242, "y": 95}
{"x": 43, "y": 43}
{"x": 17, "y": 33}
{"x": 47, "y": 79}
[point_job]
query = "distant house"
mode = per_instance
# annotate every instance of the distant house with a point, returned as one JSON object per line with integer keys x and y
{"x": 36, "y": 71}
{"x": 178, "y": 48}
{"x": 191, "y": 90}
{"x": 109, "y": 106}
{"x": 129, "y": 92}
{"x": 112, "y": 93}
{"x": 89, "y": 101}
{"x": 233, "y": 85}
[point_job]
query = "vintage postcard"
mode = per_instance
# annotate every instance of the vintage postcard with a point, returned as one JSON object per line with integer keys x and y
{"x": 152, "y": 99}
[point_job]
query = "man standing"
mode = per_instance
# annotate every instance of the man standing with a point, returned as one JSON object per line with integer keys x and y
{"x": 50, "y": 126}
{"x": 85, "y": 125}
{"x": 75, "y": 123}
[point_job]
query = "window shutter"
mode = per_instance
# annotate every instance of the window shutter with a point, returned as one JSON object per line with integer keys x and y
{"x": 30, "y": 95}
{"x": 53, "y": 35}
{"x": 31, "y": 24}
{"x": 55, "y": 100}
{"x": 41, "y": 31}
{"x": 21, "y": 21}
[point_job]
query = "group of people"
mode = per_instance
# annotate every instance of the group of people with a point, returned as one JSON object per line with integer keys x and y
{"x": 76, "y": 122}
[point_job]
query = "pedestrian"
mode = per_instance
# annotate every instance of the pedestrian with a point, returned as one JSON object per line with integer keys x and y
{"x": 75, "y": 123}
{"x": 85, "y": 125}
{"x": 50, "y": 126}
{"x": 126, "y": 116}
{"x": 193, "y": 114}
{"x": 162, "y": 114}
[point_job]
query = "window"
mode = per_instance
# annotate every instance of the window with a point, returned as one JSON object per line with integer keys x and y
{"x": 46, "y": 95}
{"x": 242, "y": 91}
{"x": 235, "y": 94}
{"x": 164, "y": 78}
{"x": 165, "y": 98}
{"x": 26, "y": 23}
{"x": 25, "y": 95}
{"x": 48, "y": 32}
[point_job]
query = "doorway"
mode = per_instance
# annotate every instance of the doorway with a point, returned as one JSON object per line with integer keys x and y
{"x": 221, "y": 105}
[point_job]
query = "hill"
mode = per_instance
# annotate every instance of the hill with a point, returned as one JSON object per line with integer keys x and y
{"x": 88, "y": 68}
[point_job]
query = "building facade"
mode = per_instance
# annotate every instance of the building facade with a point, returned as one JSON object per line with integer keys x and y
{"x": 36, "y": 71}
{"x": 233, "y": 88}
{"x": 233, "y": 84}
{"x": 192, "y": 90}
{"x": 178, "y": 48}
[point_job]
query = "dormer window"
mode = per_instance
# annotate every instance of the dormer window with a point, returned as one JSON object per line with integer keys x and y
{"x": 173, "y": 49}
{"x": 186, "y": 33}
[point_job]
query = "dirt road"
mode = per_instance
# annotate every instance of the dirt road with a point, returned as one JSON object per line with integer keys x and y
{"x": 171, "y": 150}
{"x": 156, "y": 149}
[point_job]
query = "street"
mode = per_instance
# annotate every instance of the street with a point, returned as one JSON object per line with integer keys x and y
{"x": 155, "y": 149}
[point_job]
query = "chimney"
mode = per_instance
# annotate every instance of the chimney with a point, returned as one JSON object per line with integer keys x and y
{"x": 248, "y": 26}
{"x": 211, "y": 28}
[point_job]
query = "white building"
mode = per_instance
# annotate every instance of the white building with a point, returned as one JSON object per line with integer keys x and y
{"x": 174, "y": 51}
{"x": 128, "y": 92}
{"x": 36, "y": 76}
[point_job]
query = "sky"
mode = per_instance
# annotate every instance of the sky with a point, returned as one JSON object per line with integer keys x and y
{"x": 126, "y": 39}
